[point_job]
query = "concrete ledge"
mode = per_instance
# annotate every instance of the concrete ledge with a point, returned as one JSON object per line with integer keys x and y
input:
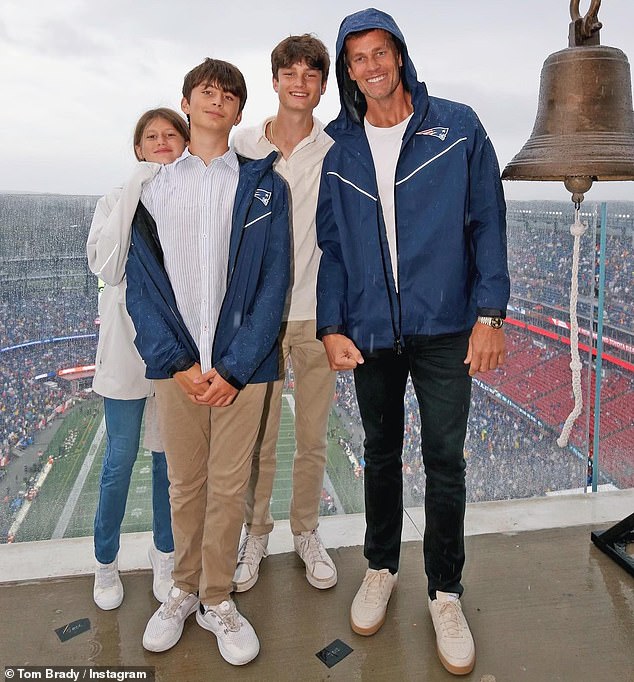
{"x": 28, "y": 561}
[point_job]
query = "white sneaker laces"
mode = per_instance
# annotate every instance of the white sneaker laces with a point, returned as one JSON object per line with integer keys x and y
{"x": 165, "y": 566}
{"x": 172, "y": 604}
{"x": 228, "y": 616}
{"x": 251, "y": 550}
{"x": 450, "y": 621}
{"x": 315, "y": 550}
{"x": 106, "y": 578}
{"x": 374, "y": 585}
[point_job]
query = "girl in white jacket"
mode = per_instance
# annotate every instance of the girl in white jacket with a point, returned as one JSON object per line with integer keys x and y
{"x": 160, "y": 137}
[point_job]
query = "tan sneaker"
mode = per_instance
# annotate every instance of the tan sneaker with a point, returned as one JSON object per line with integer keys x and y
{"x": 321, "y": 571}
{"x": 369, "y": 606}
{"x": 454, "y": 641}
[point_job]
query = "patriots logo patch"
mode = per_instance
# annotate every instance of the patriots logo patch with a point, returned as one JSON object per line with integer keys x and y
{"x": 440, "y": 132}
{"x": 263, "y": 195}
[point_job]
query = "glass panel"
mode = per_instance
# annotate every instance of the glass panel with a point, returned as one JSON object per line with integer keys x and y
{"x": 48, "y": 308}
{"x": 51, "y": 424}
{"x": 616, "y": 435}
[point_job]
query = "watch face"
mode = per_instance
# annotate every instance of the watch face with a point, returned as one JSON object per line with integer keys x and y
{"x": 497, "y": 322}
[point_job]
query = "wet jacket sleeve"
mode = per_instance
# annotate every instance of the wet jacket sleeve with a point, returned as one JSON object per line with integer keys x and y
{"x": 109, "y": 236}
{"x": 157, "y": 342}
{"x": 332, "y": 276}
{"x": 260, "y": 327}
{"x": 487, "y": 227}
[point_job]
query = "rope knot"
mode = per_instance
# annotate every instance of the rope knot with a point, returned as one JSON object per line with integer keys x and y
{"x": 578, "y": 229}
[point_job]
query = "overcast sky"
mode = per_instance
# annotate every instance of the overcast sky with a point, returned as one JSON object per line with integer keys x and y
{"x": 75, "y": 75}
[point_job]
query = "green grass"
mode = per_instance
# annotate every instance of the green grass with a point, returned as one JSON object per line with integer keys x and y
{"x": 68, "y": 449}
{"x": 283, "y": 483}
{"x": 348, "y": 486}
{"x": 78, "y": 431}
{"x": 138, "y": 514}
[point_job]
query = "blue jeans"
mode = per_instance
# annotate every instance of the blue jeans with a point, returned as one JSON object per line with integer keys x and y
{"x": 443, "y": 389}
{"x": 123, "y": 431}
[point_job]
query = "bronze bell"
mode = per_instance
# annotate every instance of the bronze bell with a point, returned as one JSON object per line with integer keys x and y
{"x": 584, "y": 129}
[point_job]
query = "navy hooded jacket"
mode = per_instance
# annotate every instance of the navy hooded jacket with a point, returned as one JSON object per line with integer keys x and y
{"x": 449, "y": 210}
{"x": 245, "y": 343}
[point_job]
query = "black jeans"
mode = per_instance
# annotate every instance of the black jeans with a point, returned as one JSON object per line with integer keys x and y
{"x": 443, "y": 389}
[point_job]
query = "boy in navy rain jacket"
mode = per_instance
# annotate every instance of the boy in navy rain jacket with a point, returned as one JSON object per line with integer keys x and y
{"x": 413, "y": 281}
{"x": 207, "y": 273}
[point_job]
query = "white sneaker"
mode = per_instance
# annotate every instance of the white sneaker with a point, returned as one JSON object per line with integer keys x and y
{"x": 162, "y": 567}
{"x": 454, "y": 641}
{"x": 369, "y": 606}
{"x": 321, "y": 571}
{"x": 237, "y": 641}
{"x": 108, "y": 590}
{"x": 165, "y": 627}
{"x": 252, "y": 550}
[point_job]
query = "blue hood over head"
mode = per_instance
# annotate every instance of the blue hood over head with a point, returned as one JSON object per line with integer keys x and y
{"x": 353, "y": 103}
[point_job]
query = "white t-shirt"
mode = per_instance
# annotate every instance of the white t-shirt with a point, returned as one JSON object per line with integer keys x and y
{"x": 385, "y": 145}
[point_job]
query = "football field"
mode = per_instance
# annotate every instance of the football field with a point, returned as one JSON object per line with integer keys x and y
{"x": 66, "y": 504}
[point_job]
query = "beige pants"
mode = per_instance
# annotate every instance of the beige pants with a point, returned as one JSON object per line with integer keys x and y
{"x": 314, "y": 392}
{"x": 208, "y": 452}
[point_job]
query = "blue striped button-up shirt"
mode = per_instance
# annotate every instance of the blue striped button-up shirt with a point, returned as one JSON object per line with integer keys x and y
{"x": 192, "y": 205}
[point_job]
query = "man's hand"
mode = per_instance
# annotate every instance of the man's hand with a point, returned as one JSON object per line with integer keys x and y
{"x": 190, "y": 382}
{"x": 487, "y": 349}
{"x": 218, "y": 393}
{"x": 341, "y": 352}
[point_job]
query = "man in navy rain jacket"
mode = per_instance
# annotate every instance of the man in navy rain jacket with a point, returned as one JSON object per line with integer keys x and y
{"x": 413, "y": 281}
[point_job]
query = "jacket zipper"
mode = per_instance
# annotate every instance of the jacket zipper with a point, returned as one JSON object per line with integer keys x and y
{"x": 396, "y": 331}
{"x": 231, "y": 270}
{"x": 398, "y": 345}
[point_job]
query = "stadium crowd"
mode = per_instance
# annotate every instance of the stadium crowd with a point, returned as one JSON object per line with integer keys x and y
{"x": 27, "y": 403}
{"x": 541, "y": 261}
{"x": 508, "y": 455}
{"x": 35, "y": 318}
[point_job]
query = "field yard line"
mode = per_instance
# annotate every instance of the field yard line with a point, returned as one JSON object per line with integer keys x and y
{"x": 290, "y": 399}
{"x": 78, "y": 486}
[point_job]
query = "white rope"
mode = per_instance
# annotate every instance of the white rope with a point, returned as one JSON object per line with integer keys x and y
{"x": 577, "y": 229}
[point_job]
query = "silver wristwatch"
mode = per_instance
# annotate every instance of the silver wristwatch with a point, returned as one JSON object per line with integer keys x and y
{"x": 495, "y": 322}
